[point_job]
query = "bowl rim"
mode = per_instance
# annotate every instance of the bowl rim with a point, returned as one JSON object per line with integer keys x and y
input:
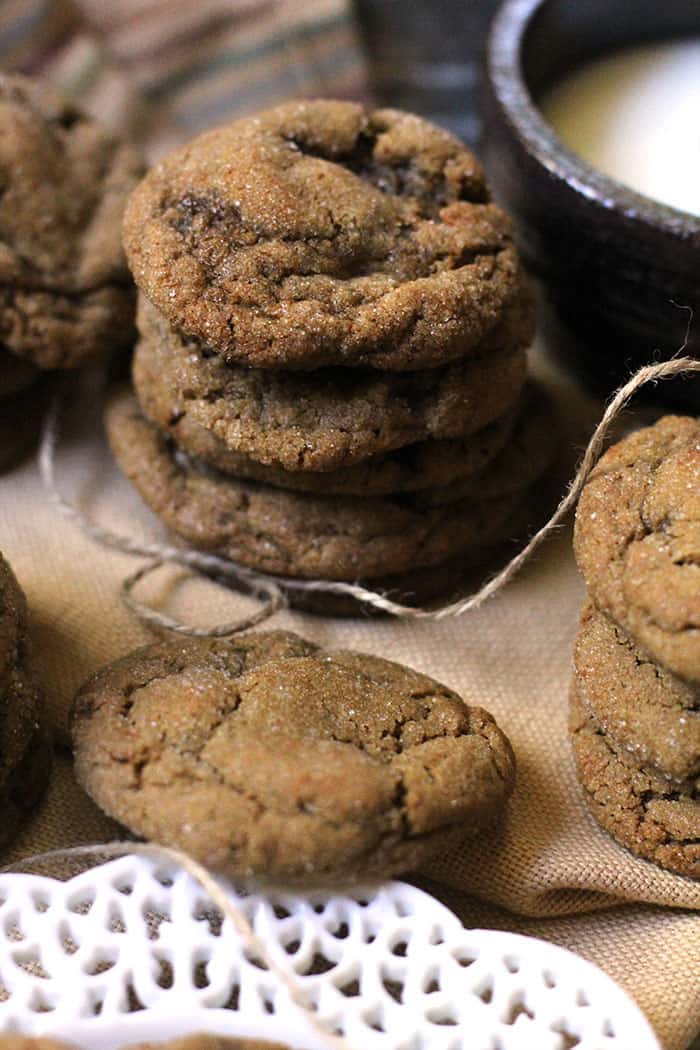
{"x": 504, "y": 64}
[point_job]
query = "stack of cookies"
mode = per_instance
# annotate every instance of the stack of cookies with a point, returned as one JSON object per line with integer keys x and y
{"x": 330, "y": 378}
{"x": 25, "y": 751}
{"x": 635, "y": 701}
{"x": 65, "y": 290}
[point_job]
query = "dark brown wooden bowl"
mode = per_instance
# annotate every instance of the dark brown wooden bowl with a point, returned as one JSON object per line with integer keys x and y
{"x": 620, "y": 269}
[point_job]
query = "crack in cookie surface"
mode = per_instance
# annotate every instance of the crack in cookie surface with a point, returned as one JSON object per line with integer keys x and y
{"x": 637, "y": 540}
{"x": 289, "y": 760}
{"x": 639, "y": 807}
{"x": 65, "y": 293}
{"x": 644, "y": 709}
{"x": 318, "y": 233}
{"x": 325, "y": 420}
{"x": 295, "y": 534}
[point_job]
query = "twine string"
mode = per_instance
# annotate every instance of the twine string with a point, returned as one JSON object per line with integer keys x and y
{"x": 273, "y": 600}
{"x": 269, "y": 588}
{"x": 261, "y": 587}
{"x": 646, "y": 374}
{"x": 240, "y": 922}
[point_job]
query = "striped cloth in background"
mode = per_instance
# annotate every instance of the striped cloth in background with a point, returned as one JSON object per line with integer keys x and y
{"x": 160, "y": 70}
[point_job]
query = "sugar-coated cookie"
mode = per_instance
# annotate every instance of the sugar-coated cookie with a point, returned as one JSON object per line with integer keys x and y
{"x": 322, "y": 233}
{"x": 65, "y": 291}
{"x": 269, "y": 756}
{"x": 637, "y": 540}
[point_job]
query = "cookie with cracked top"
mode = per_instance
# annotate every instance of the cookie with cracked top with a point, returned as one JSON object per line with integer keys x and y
{"x": 25, "y": 750}
{"x": 27, "y": 758}
{"x": 268, "y": 756}
{"x": 652, "y": 816}
{"x": 322, "y": 421}
{"x": 65, "y": 292}
{"x": 643, "y": 708}
{"x": 321, "y": 233}
{"x": 637, "y": 540}
{"x": 422, "y": 464}
{"x": 14, "y": 618}
{"x": 295, "y": 534}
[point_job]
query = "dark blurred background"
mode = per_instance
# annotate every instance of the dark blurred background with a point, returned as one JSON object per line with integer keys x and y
{"x": 160, "y": 72}
{"x": 425, "y": 56}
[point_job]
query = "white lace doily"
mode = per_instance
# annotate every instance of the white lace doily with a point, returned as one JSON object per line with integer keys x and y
{"x": 133, "y": 949}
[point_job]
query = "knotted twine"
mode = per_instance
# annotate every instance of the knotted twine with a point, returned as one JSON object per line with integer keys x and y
{"x": 269, "y": 588}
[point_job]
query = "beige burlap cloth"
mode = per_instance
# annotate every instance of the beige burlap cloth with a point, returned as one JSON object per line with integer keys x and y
{"x": 549, "y": 871}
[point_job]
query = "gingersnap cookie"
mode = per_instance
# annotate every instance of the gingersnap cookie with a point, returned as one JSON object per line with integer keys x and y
{"x": 654, "y": 817}
{"x": 637, "y": 540}
{"x": 295, "y": 534}
{"x": 16, "y": 374}
{"x": 269, "y": 756}
{"x": 642, "y": 707}
{"x": 25, "y": 751}
{"x": 320, "y": 421}
{"x": 320, "y": 233}
{"x": 13, "y": 623}
{"x": 527, "y": 448}
{"x": 65, "y": 291}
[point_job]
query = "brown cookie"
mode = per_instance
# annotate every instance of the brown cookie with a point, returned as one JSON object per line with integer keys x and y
{"x": 527, "y": 455}
{"x": 16, "y": 374}
{"x": 445, "y": 582}
{"x": 268, "y": 756}
{"x": 25, "y": 751}
{"x": 529, "y": 437}
{"x": 65, "y": 291}
{"x": 642, "y": 708}
{"x": 320, "y": 421}
{"x": 637, "y": 540}
{"x": 423, "y": 464}
{"x": 650, "y": 815}
{"x": 13, "y": 623}
{"x": 295, "y": 534}
{"x": 319, "y": 233}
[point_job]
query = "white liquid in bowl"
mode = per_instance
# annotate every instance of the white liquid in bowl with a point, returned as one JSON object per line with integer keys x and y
{"x": 635, "y": 115}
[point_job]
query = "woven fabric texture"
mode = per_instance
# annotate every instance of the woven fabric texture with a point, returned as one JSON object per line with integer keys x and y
{"x": 549, "y": 870}
{"x": 160, "y": 72}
